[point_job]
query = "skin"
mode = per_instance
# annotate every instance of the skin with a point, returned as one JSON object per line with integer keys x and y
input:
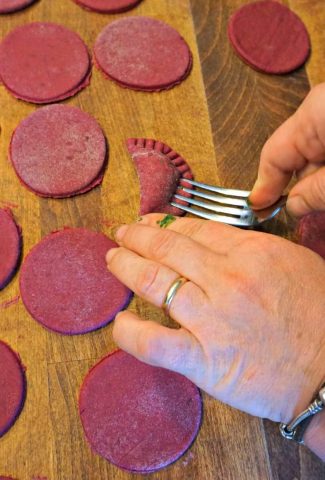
{"x": 251, "y": 315}
{"x": 297, "y": 146}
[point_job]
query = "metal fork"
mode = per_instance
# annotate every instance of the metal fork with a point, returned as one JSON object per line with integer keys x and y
{"x": 229, "y": 206}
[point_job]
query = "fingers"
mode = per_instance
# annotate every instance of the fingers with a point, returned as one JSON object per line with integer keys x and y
{"x": 180, "y": 253}
{"x": 218, "y": 237}
{"x": 279, "y": 159}
{"x": 298, "y": 142}
{"x": 151, "y": 281}
{"x": 189, "y": 306}
{"x": 308, "y": 195}
{"x": 148, "y": 279}
{"x": 307, "y": 170}
{"x": 152, "y": 343}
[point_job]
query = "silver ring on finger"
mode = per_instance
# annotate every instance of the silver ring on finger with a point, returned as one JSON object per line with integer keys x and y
{"x": 170, "y": 295}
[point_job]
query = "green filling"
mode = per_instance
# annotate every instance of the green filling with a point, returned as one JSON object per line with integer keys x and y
{"x": 167, "y": 220}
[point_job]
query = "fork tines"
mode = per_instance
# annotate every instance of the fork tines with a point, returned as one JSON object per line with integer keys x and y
{"x": 229, "y": 205}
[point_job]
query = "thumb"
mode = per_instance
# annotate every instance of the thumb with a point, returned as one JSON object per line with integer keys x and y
{"x": 308, "y": 194}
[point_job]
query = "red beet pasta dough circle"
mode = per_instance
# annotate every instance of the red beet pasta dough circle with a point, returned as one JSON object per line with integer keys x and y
{"x": 12, "y": 387}
{"x": 10, "y": 246}
{"x": 58, "y": 151}
{"x": 143, "y": 54}
{"x": 108, "y": 6}
{"x": 65, "y": 284}
{"x": 8, "y": 6}
{"x": 311, "y": 232}
{"x": 269, "y": 36}
{"x": 43, "y": 62}
{"x": 140, "y": 418}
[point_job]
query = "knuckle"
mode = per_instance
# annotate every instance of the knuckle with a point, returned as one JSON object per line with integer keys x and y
{"x": 263, "y": 251}
{"x": 118, "y": 326}
{"x": 262, "y": 245}
{"x": 190, "y": 300}
{"x": 197, "y": 227}
{"x": 244, "y": 285}
{"x": 115, "y": 258}
{"x": 146, "y": 280}
{"x": 161, "y": 245}
{"x": 319, "y": 187}
{"x": 265, "y": 149}
{"x": 148, "y": 346}
{"x": 317, "y": 90}
{"x": 184, "y": 357}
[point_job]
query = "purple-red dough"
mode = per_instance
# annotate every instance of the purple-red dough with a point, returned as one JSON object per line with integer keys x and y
{"x": 311, "y": 232}
{"x": 8, "y": 6}
{"x": 140, "y": 418}
{"x": 58, "y": 151}
{"x": 161, "y": 171}
{"x": 12, "y": 387}
{"x": 142, "y": 53}
{"x": 44, "y": 62}
{"x": 10, "y": 246}
{"x": 65, "y": 284}
{"x": 108, "y": 6}
{"x": 269, "y": 37}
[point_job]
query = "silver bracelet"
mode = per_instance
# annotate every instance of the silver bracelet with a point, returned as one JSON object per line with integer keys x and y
{"x": 295, "y": 430}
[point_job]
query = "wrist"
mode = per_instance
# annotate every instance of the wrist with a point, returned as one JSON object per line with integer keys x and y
{"x": 314, "y": 437}
{"x": 306, "y": 382}
{"x": 303, "y": 398}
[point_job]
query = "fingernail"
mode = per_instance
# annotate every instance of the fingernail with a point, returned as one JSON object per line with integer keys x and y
{"x": 144, "y": 220}
{"x": 120, "y": 232}
{"x": 297, "y": 206}
{"x": 111, "y": 229}
{"x": 257, "y": 186}
{"x": 110, "y": 254}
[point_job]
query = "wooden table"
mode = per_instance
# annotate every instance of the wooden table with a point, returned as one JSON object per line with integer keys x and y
{"x": 218, "y": 119}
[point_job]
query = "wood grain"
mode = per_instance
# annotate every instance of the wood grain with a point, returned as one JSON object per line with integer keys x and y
{"x": 245, "y": 107}
{"x": 219, "y": 126}
{"x": 47, "y": 440}
{"x": 313, "y": 14}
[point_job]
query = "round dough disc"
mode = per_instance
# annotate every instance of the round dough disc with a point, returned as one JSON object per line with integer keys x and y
{"x": 58, "y": 151}
{"x": 10, "y": 246}
{"x": 44, "y": 62}
{"x": 65, "y": 284}
{"x": 311, "y": 232}
{"x": 108, "y": 6}
{"x": 143, "y": 54}
{"x": 8, "y": 6}
{"x": 12, "y": 387}
{"x": 140, "y": 418}
{"x": 269, "y": 36}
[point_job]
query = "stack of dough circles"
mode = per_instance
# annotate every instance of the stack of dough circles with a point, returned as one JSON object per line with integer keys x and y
{"x": 59, "y": 151}
{"x": 269, "y": 37}
{"x": 143, "y": 53}
{"x": 65, "y": 284}
{"x": 10, "y": 246}
{"x": 12, "y": 387}
{"x": 9, "y": 6}
{"x": 44, "y": 62}
{"x": 108, "y": 6}
{"x": 139, "y": 417}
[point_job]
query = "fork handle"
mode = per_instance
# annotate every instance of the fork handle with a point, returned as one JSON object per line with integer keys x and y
{"x": 281, "y": 202}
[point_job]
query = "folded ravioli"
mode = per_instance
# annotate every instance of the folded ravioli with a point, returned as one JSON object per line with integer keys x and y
{"x": 162, "y": 172}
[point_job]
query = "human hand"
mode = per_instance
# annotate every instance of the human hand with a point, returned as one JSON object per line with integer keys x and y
{"x": 297, "y": 146}
{"x": 251, "y": 315}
